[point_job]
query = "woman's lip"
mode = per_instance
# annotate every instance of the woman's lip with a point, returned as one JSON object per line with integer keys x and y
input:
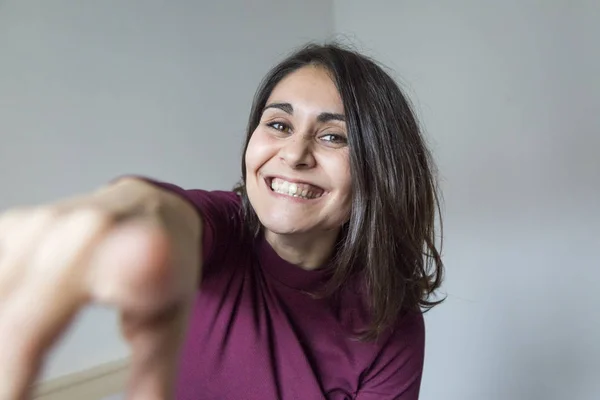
{"x": 296, "y": 199}
{"x": 270, "y": 178}
{"x": 267, "y": 181}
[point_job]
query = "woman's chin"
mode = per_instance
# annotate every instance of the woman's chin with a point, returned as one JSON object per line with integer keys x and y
{"x": 279, "y": 229}
{"x": 280, "y": 226}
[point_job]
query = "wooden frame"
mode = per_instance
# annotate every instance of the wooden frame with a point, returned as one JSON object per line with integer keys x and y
{"x": 96, "y": 383}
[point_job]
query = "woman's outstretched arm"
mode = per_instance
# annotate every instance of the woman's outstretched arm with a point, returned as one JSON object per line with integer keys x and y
{"x": 130, "y": 245}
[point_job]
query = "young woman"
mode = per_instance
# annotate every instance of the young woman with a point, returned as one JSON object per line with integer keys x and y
{"x": 308, "y": 281}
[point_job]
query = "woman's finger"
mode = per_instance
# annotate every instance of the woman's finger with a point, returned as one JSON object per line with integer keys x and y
{"x": 20, "y": 231}
{"x": 135, "y": 271}
{"x": 30, "y": 324}
{"x": 155, "y": 344}
{"x": 45, "y": 302}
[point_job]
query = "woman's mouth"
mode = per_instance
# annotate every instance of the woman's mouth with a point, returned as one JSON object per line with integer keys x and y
{"x": 295, "y": 189}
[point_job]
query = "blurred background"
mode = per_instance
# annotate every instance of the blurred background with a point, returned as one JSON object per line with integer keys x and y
{"x": 508, "y": 94}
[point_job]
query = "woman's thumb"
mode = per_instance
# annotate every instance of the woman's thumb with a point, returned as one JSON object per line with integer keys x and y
{"x": 132, "y": 269}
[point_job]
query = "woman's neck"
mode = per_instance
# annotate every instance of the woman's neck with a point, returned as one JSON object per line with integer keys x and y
{"x": 308, "y": 251}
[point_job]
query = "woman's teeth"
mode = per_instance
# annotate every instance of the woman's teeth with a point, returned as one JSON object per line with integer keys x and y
{"x": 302, "y": 190}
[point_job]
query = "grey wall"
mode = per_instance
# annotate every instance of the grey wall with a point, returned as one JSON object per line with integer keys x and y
{"x": 90, "y": 90}
{"x": 509, "y": 95}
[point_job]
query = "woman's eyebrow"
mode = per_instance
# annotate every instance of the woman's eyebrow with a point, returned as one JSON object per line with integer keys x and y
{"x": 286, "y": 107}
{"x": 323, "y": 117}
{"x": 327, "y": 116}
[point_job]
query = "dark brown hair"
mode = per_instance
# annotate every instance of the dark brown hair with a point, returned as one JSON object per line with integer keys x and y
{"x": 390, "y": 236}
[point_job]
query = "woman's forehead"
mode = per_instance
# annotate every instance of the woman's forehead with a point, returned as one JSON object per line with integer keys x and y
{"x": 307, "y": 88}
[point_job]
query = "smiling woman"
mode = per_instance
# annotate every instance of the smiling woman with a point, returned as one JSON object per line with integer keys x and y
{"x": 378, "y": 162}
{"x": 336, "y": 205}
{"x": 307, "y": 281}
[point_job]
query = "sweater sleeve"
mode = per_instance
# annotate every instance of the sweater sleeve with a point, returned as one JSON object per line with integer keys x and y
{"x": 220, "y": 212}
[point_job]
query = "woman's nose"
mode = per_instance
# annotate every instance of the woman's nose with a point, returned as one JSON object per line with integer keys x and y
{"x": 297, "y": 152}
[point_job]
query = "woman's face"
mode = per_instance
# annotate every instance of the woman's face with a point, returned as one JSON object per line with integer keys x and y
{"x": 297, "y": 160}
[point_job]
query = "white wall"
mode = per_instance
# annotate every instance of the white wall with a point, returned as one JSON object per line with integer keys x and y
{"x": 90, "y": 90}
{"x": 509, "y": 93}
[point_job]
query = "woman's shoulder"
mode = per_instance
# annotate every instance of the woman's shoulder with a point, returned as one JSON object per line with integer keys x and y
{"x": 204, "y": 200}
{"x": 207, "y": 201}
{"x": 398, "y": 367}
{"x": 410, "y": 327}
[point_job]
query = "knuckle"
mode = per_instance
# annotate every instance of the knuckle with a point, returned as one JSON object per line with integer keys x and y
{"x": 91, "y": 216}
{"x": 43, "y": 215}
{"x": 18, "y": 218}
{"x": 71, "y": 235}
{"x": 18, "y": 226}
{"x": 13, "y": 214}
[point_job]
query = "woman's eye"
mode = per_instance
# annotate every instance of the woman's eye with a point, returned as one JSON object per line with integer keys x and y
{"x": 280, "y": 126}
{"x": 334, "y": 139}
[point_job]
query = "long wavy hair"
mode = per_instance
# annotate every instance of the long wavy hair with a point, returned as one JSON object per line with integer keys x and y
{"x": 390, "y": 238}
